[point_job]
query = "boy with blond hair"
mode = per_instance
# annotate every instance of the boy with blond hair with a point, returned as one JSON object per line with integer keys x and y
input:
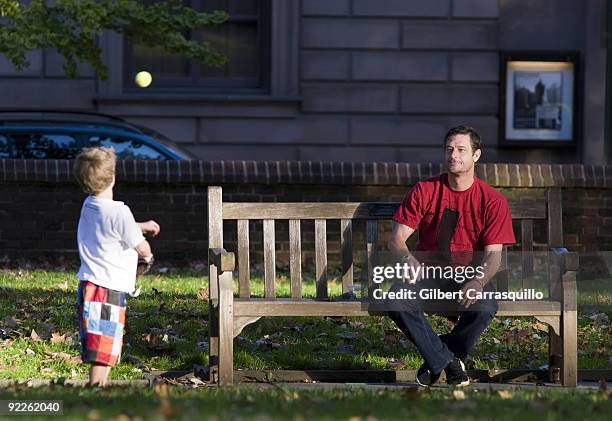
{"x": 110, "y": 244}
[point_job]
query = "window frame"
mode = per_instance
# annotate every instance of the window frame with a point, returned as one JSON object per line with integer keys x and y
{"x": 195, "y": 81}
{"x": 283, "y": 76}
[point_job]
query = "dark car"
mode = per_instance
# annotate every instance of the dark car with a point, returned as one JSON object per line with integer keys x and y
{"x": 62, "y": 135}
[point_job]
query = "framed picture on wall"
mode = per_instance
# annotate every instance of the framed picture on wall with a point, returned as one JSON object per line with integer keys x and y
{"x": 538, "y": 101}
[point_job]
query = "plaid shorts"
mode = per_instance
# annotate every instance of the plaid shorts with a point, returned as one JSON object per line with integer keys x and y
{"x": 101, "y": 314}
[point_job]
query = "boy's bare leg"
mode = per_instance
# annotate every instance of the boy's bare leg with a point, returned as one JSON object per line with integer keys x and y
{"x": 98, "y": 374}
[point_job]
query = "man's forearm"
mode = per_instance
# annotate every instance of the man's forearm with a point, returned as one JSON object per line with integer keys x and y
{"x": 490, "y": 263}
{"x": 398, "y": 250}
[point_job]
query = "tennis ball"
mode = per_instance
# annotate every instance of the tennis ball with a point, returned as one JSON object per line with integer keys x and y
{"x": 143, "y": 79}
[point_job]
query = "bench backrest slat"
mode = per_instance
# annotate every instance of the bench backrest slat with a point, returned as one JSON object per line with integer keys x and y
{"x": 321, "y": 257}
{"x": 295, "y": 258}
{"x": 372, "y": 248}
{"x": 346, "y": 246}
{"x": 555, "y": 227}
{"x": 269, "y": 259}
{"x": 244, "y": 267}
{"x": 527, "y": 249}
{"x": 342, "y": 210}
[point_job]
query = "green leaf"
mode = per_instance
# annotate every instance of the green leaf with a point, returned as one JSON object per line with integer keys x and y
{"x": 71, "y": 27}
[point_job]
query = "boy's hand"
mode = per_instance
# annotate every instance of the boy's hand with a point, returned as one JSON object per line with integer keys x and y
{"x": 144, "y": 265}
{"x": 149, "y": 228}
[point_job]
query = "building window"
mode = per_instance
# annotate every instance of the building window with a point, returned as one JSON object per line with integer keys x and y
{"x": 244, "y": 39}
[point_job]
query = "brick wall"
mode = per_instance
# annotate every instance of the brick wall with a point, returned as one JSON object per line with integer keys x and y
{"x": 40, "y": 203}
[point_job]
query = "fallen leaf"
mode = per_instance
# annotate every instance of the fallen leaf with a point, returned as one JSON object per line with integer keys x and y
{"x": 397, "y": 364}
{"x": 405, "y": 343}
{"x": 10, "y": 321}
{"x": 64, "y": 356}
{"x": 129, "y": 358}
{"x": 413, "y": 393}
{"x": 162, "y": 390}
{"x": 203, "y": 294}
{"x": 63, "y": 286}
{"x": 35, "y": 336}
{"x": 459, "y": 395}
{"x": 56, "y": 338}
{"x": 541, "y": 326}
{"x": 196, "y": 381}
{"x": 504, "y": 394}
{"x": 346, "y": 349}
{"x": 167, "y": 410}
{"x": 29, "y": 351}
{"x": 489, "y": 357}
{"x": 523, "y": 333}
{"x": 202, "y": 346}
{"x": 94, "y": 415}
{"x": 348, "y": 335}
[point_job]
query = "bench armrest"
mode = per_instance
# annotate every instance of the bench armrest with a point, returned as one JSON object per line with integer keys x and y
{"x": 564, "y": 286}
{"x": 567, "y": 260}
{"x": 224, "y": 260}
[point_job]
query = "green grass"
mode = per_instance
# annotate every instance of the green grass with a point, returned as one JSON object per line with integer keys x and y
{"x": 167, "y": 330}
{"x": 251, "y": 402}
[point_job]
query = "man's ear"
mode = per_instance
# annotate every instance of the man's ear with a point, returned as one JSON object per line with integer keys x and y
{"x": 477, "y": 155}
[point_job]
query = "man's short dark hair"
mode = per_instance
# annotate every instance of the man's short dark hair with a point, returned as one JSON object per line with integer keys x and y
{"x": 474, "y": 136}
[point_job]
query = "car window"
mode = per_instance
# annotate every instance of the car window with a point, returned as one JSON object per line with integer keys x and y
{"x": 38, "y": 146}
{"x": 127, "y": 148}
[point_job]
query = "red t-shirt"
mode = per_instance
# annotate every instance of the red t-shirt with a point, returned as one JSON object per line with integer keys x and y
{"x": 455, "y": 223}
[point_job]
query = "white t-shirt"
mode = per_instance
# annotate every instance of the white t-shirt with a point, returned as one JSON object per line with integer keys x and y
{"x": 107, "y": 235}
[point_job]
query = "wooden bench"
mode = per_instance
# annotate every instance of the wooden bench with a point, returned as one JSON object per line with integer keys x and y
{"x": 229, "y": 315}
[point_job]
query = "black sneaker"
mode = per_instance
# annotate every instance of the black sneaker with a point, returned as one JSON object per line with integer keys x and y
{"x": 455, "y": 373}
{"x": 425, "y": 377}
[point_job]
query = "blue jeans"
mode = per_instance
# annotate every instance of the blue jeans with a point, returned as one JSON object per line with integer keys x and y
{"x": 438, "y": 351}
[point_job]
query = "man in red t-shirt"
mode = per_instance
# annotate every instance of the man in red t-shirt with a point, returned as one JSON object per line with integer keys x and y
{"x": 461, "y": 222}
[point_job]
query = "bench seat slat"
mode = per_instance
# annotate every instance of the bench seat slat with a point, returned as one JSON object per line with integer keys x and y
{"x": 310, "y": 307}
{"x": 342, "y": 210}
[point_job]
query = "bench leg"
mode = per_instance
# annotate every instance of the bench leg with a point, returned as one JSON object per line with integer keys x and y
{"x": 555, "y": 352}
{"x": 213, "y": 341}
{"x": 569, "y": 369}
{"x": 226, "y": 330}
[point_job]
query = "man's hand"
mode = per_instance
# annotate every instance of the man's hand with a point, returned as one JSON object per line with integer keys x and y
{"x": 149, "y": 228}
{"x": 474, "y": 285}
{"x": 414, "y": 269}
